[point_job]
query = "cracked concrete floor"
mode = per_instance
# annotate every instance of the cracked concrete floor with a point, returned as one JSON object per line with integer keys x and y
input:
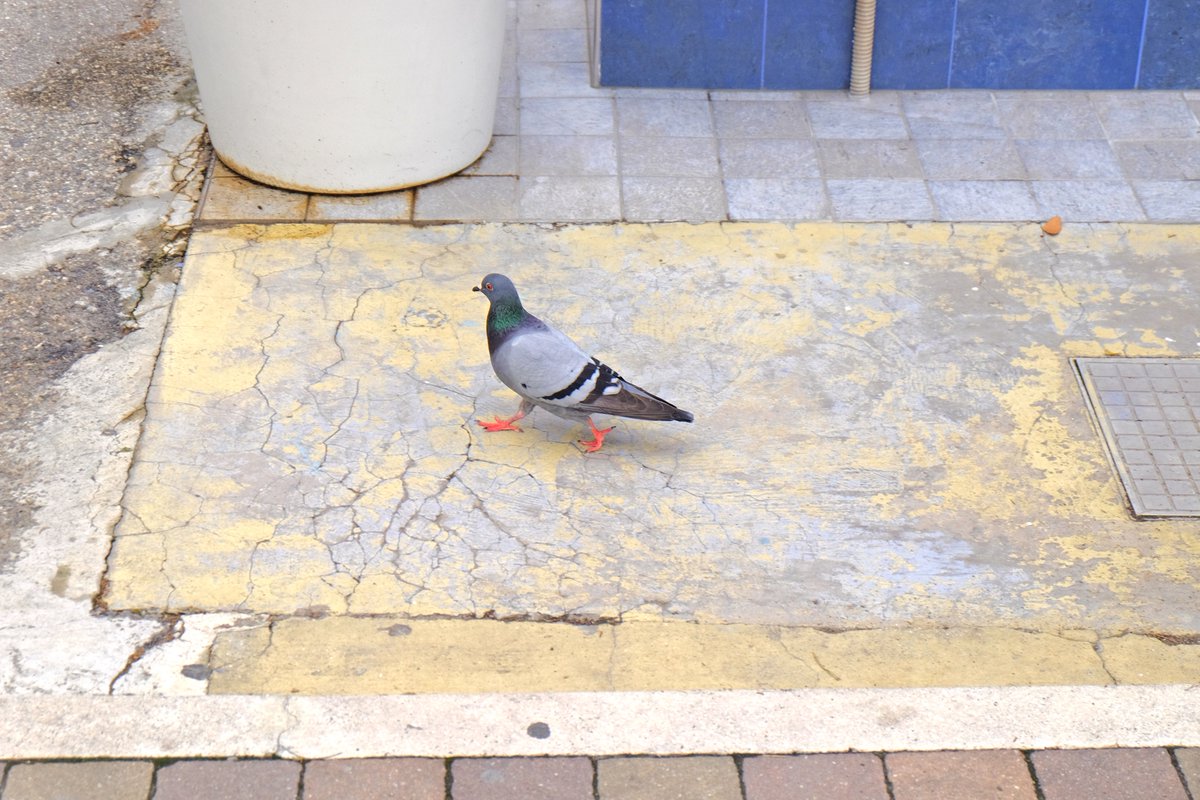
{"x": 888, "y": 429}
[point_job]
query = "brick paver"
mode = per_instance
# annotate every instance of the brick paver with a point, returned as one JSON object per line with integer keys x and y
{"x": 375, "y": 779}
{"x": 951, "y": 775}
{"x": 1189, "y": 765}
{"x": 228, "y": 780}
{"x": 675, "y": 778}
{"x": 87, "y": 780}
{"x": 568, "y": 778}
{"x": 1132, "y": 774}
{"x": 831, "y": 776}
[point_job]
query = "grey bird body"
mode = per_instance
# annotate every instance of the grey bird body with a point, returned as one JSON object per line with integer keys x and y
{"x": 548, "y": 370}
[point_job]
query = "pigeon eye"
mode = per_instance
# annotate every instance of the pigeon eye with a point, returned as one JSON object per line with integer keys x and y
{"x": 488, "y": 286}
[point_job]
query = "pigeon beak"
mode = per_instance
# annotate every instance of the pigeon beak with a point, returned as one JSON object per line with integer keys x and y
{"x": 476, "y": 289}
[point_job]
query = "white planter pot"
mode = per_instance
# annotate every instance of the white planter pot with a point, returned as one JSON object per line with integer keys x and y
{"x": 347, "y": 96}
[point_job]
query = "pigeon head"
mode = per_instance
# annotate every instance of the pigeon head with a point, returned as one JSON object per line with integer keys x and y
{"x": 498, "y": 289}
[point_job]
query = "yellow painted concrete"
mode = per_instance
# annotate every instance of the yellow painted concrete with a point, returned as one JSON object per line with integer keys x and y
{"x": 387, "y": 655}
{"x": 888, "y": 430}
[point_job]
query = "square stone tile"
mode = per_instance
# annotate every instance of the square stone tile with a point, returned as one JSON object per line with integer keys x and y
{"x": 951, "y": 775}
{"x": 877, "y": 116}
{"x": 569, "y": 199}
{"x": 499, "y": 159}
{"x": 1118, "y": 774}
{"x": 650, "y": 199}
{"x": 1159, "y": 159}
{"x": 254, "y": 779}
{"x": 868, "y": 158}
{"x": 761, "y": 119}
{"x": 84, "y": 780}
{"x": 568, "y": 155}
{"x": 970, "y": 159}
{"x": 769, "y": 158}
{"x": 507, "y": 121}
{"x": 475, "y": 198}
{"x": 656, "y": 156}
{"x": 1170, "y": 201}
{"x": 879, "y": 200}
{"x": 1089, "y": 159}
{"x": 566, "y": 116}
{"x": 829, "y": 776}
{"x": 375, "y": 779}
{"x": 983, "y": 201}
{"x": 385, "y": 207}
{"x": 1049, "y": 115}
{"x": 552, "y": 44}
{"x": 1146, "y": 115}
{"x": 1087, "y": 201}
{"x": 540, "y": 14}
{"x": 676, "y": 778}
{"x": 776, "y": 199}
{"x": 556, "y": 79}
{"x": 952, "y": 115}
{"x": 663, "y": 116}
{"x": 232, "y": 198}
{"x": 560, "y": 778}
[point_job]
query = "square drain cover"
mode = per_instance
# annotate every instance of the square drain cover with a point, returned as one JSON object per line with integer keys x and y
{"x": 1149, "y": 412}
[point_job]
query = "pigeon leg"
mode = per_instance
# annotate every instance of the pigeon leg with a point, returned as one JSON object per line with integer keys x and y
{"x": 598, "y": 437}
{"x": 506, "y": 424}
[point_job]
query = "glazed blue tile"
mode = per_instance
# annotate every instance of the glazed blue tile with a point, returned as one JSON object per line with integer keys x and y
{"x": 682, "y": 43}
{"x": 1033, "y": 44}
{"x": 808, "y": 44}
{"x": 912, "y": 45}
{"x": 1170, "y": 58}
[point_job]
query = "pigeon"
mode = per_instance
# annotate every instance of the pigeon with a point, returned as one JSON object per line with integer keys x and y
{"x": 549, "y": 371}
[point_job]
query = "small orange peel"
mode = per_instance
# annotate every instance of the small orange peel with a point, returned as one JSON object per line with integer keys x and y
{"x": 1053, "y": 225}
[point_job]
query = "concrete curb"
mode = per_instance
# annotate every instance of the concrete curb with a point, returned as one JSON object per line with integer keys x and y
{"x": 605, "y": 723}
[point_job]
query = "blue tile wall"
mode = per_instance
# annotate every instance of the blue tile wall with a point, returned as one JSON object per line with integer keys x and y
{"x": 919, "y": 44}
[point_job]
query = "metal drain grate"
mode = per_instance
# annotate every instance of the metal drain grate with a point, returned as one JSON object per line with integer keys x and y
{"x": 1149, "y": 412}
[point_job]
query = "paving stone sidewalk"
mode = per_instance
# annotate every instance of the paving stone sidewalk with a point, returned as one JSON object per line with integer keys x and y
{"x": 1126, "y": 774}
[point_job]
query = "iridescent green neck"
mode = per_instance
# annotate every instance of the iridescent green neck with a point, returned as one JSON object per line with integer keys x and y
{"x": 505, "y": 316}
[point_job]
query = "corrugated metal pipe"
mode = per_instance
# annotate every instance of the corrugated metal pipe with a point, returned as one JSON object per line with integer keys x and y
{"x": 864, "y": 43}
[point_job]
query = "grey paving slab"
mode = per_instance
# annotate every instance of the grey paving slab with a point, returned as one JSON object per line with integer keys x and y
{"x": 1090, "y": 159}
{"x": 501, "y": 157}
{"x": 983, "y": 201}
{"x": 952, "y": 775}
{"x": 1188, "y": 759}
{"x": 87, "y": 780}
{"x": 1056, "y": 115}
{"x": 1149, "y": 413}
{"x": 1132, "y": 774}
{"x": 970, "y": 159}
{"x": 1170, "y": 201}
{"x": 557, "y": 79}
{"x": 1087, "y": 201}
{"x": 255, "y": 779}
{"x": 521, "y": 779}
{"x": 829, "y": 776}
{"x": 552, "y": 44}
{"x": 650, "y": 199}
{"x": 507, "y": 121}
{"x": 483, "y": 198}
{"x": 563, "y": 116}
{"x": 879, "y": 199}
{"x": 1146, "y": 115}
{"x": 231, "y": 197}
{"x": 868, "y": 158}
{"x": 761, "y": 119}
{"x": 952, "y": 115}
{"x": 541, "y": 14}
{"x": 385, "y": 207}
{"x": 1159, "y": 159}
{"x": 568, "y": 198}
{"x": 661, "y": 116}
{"x": 877, "y": 116}
{"x": 776, "y": 198}
{"x": 568, "y": 155}
{"x": 669, "y": 157}
{"x": 375, "y": 779}
{"x": 769, "y": 158}
{"x": 677, "y": 778}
